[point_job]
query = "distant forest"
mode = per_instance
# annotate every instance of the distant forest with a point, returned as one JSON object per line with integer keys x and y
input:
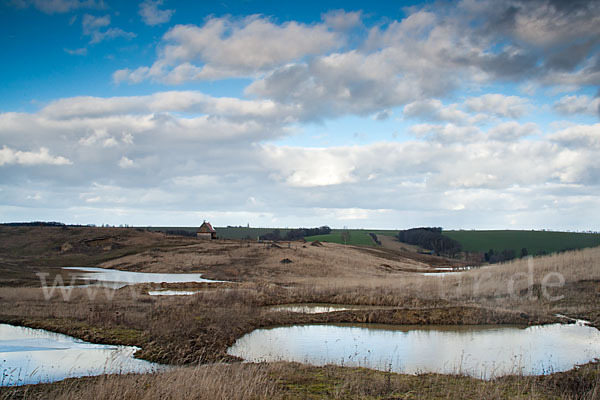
{"x": 430, "y": 239}
{"x": 43, "y": 223}
{"x": 296, "y": 234}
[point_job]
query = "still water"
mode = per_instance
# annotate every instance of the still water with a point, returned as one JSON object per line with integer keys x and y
{"x": 175, "y": 292}
{"x": 117, "y": 279}
{"x": 479, "y": 351}
{"x": 35, "y": 355}
{"x": 317, "y": 308}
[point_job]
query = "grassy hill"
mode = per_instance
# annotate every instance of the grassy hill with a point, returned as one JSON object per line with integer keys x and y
{"x": 358, "y": 237}
{"x": 229, "y": 232}
{"x": 536, "y": 242}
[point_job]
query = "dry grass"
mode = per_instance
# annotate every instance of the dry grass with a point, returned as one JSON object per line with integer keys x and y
{"x": 219, "y": 382}
{"x": 257, "y": 262}
{"x": 294, "y": 381}
{"x": 24, "y": 251}
{"x": 199, "y": 328}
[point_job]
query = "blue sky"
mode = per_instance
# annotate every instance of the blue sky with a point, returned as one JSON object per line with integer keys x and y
{"x": 467, "y": 114}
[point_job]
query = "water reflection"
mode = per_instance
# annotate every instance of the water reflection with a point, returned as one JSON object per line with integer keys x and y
{"x": 35, "y": 355}
{"x": 166, "y": 292}
{"x": 316, "y": 308}
{"x": 116, "y": 279}
{"x": 473, "y": 350}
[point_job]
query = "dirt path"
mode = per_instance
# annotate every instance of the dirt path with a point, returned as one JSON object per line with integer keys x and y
{"x": 389, "y": 242}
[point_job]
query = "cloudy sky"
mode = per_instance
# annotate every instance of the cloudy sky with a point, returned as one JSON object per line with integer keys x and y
{"x": 467, "y": 114}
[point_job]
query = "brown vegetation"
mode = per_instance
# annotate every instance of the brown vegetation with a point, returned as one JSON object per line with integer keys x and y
{"x": 198, "y": 329}
{"x": 295, "y": 381}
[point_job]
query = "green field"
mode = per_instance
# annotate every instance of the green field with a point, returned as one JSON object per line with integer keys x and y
{"x": 536, "y": 242}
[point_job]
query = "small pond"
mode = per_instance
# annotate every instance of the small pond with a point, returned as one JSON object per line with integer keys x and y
{"x": 173, "y": 292}
{"x": 116, "y": 279}
{"x": 35, "y": 355}
{"x": 479, "y": 351}
{"x": 316, "y": 308}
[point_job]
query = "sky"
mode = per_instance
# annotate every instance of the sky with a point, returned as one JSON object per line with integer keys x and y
{"x": 461, "y": 114}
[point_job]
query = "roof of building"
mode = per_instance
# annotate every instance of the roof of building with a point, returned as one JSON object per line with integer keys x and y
{"x": 206, "y": 227}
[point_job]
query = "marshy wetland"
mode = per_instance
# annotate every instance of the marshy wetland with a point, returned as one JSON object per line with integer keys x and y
{"x": 376, "y": 293}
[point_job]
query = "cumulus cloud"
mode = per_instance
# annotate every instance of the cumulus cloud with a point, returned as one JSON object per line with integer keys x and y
{"x": 171, "y": 101}
{"x": 579, "y": 137}
{"x": 425, "y": 55}
{"x": 434, "y": 110}
{"x": 226, "y": 47}
{"x": 187, "y": 153}
{"x": 41, "y": 157}
{"x": 447, "y": 133}
{"x": 571, "y": 105}
{"x": 164, "y": 150}
{"x": 512, "y": 131}
{"x": 125, "y": 162}
{"x": 59, "y": 6}
{"x": 309, "y": 167}
{"x": 473, "y": 165}
{"x": 338, "y": 84}
{"x": 152, "y": 15}
{"x": 93, "y": 27}
{"x": 499, "y": 105}
{"x": 342, "y": 20}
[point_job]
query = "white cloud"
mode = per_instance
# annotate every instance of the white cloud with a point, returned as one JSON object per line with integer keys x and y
{"x": 152, "y": 15}
{"x": 91, "y": 23}
{"x": 92, "y": 26}
{"x": 512, "y": 131}
{"x": 447, "y": 133}
{"x": 342, "y": 20}
{"x": 309, "y": 167}
{"x": 337, "y": 84}
{"x": 570, "y": 105}
{"x": 467, "y": 162}
{"x": 499, "y": 105}
{"x": 28, "y": 158}
{"x": 225, "y": 47}
{"x": 196, "y": 181}
{"x": 59, "y": 6}
{"x": 178, "y": 155}
{"x": 434, "y": 110}
{"x": 579, "y": 137}
{"x": 125, "y": 162}
{"x": 77, "y": 52}
{"x": 351, "y": 214}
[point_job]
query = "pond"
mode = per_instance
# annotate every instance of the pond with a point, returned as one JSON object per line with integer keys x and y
{"x": 479, "y": 351}
{"x": 173, "y": 292}
{"x": 35, "y": 355}
{"x": 116, "y": 279}
{"x": 316, "y": 308}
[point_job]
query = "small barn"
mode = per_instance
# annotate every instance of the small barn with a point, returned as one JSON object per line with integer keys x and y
{"x": 206, "y": 231}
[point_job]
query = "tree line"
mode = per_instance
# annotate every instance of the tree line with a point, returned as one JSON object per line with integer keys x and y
{"x": 430, "y": 238}
{"x": 295, "y": 234}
